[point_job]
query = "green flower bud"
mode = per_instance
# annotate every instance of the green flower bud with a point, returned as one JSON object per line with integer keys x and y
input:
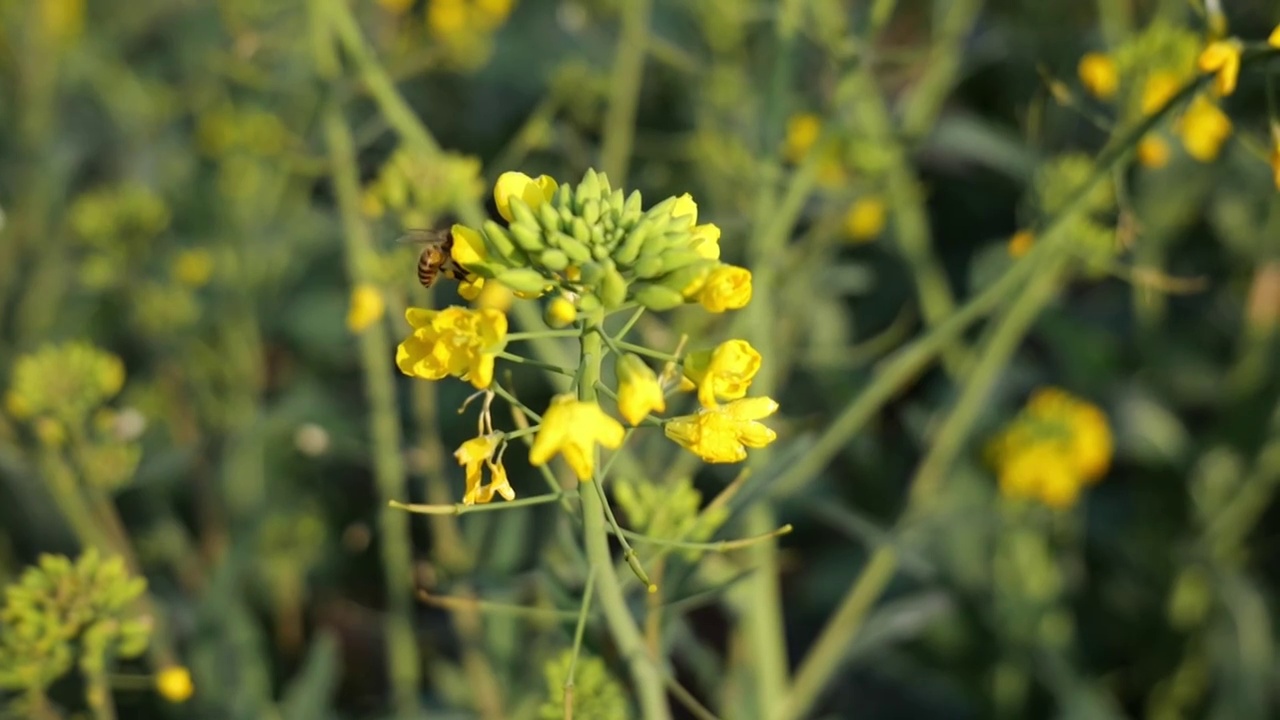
{"x": 662, "y": 211}
{"x": 500, "y": 244}
{"x": 548, "y": 218}
{"x": 648, "y": 267}
{"x": 588, "y": 303}
{"x": 563, "y": 197}
{"x": 589, "y": 188}
{"x": 690, "y": 278}
{"x": 599, "y": 238}
{"x": 527, "y": 236}
{"x": 591, "y": 211}
{"x": 526, "y": 280}
{"x": 657, "y": 297}
{"x": 553, "y": 259}
{"x": 581, "y": 231}
{"x": 629, "y": 249}
{"x": 600, "y": 252}
{"x": 566, "y": 219}
{"x": 521, "y": 213}
{"x": 632, "y": 210}
{"x": 592, "y": 273}
{"x": 675, "y": 259}
{"x": 613, "y": 289}
{"x": 577, "y": 251}
{"x": 617, "y": 201}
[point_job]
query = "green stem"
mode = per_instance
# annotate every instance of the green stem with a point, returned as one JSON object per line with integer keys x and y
{"x": 828, "y": 652}
{"x": 534, "y": 335}
{"x": 628, "y": 553}
{"x": 628, "y": 73}
{"x": 642, "y": 350}
{"x": 626, "y": 633}
{"x": 388, "y": 467}
{"x": 460, "y": 509}
{"x": 583, "y": 611}
{"x": 536, "y": 363}
{"x": 718, "y": 546}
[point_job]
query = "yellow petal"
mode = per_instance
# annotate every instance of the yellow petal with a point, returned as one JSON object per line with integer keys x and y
{"x": 468, "y": 246}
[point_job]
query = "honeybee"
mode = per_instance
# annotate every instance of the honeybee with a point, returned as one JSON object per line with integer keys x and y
{"x": 437, "y": 255}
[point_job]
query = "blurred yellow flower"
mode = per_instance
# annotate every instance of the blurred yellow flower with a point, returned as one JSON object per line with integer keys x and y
{"x": 1099, "y": 75}
{"x": 560, "y": 312}
{"x": 1222, "y": 58}
{"x": 728, "y": 287}
{"x": 1203, "y": 129}
{"x": 1055, "y": 447}
{"x": 1021, "y": 243}
{"x": 573, "y": 428}
{"x": 474, "y": 455}
{"x": 1274, "y": 38}
{"x": 174, "y": 684}
{"x": 454, "y": 341}
{"x": 366, "y": 307}
{"x": 722, "y": 434}
{"x": 724, "y": 373}
{"x": 193, "y": 268}
{"x": 534, "y": 192}
{"x": 67, "y": 381}
{"x": 639, "y": 392}
{"x": 1153, "y": 152}
{"x": 1159, "y": 89}
{"x": 446, "y": 18}
{"x": 803, "y": 131}
{"x": 865, "y": 218}
{"x": 62, "y": 20}
{"x": 468, "y": 247}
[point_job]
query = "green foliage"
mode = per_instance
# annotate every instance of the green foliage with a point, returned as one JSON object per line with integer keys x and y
{"x": 596, "y": 694}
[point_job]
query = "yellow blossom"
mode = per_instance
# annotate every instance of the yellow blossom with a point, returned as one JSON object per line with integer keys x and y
{"x": 1040, "y": 472}
{"x": 454, "y": 341}
{"x": 468, "y": 247}
{"x": 722, "y": 434}
{"x": 516, "y": 184}
{"x": 1203, "y": 129}
{"x": 474, "y": 455}
{"x": 1153, "y": 152}
{"x": 174, "y": 684}
{"x": 1222, "y": 58}
{"x": 724, "y": 373}
{"x": 560, "y": 312}
{"x": 802, "y": 132}
{"x": 366, "y": 307}
{"x": 193, "y": 268}
{"x": 639, "y": 392}
{"x": 706, "y": 237}
{"x": 1021, "y": 243}
{"x": 1099, "y": 75}
{"x": 573, "y": 428}
{"x": 493, "y": 295}
{"x": 446, "y": 18}
{"x": 1274, "y": 38}
{"x": 865, "y": 218}
{"x": 1159, "y": 89}
{"x": 728, "y": 287}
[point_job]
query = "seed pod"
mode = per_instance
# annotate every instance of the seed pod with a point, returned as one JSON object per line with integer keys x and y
{"x": 613, "y": 289}
{"x": 656, "y": 297}
{"x": 577, "y": 251}
{"x": 581, "y": 232}
{"x": 528, "y": 237}
{"x": 553, "y": 259}
{"x": 526, "y": 280}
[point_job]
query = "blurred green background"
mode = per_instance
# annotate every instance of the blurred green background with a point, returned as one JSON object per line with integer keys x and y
{"x": 193, "y": 386}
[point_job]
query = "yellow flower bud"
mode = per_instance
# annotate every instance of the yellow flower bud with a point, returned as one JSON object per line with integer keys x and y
{"x": 193, "y": 268}
{"x": 802, "y": 132}
{"x": 724, "y": 373}
{"x": 493, "y": 295}
{"x": 1099, "y": 75}
{"x": 1021, "y": 243}
{"x": 516, "y": 184}
{"x": 639, "y": 392}
{"x": 560, "y": 312}
{"x": 1153, "y": 152}
{"x": 366, "y": 308}
{"x": 1223, "y": 59}
{"x": 1203, "y": 129}
{"x": 174, "y": 684}
{"x": 1159, "y": 89}
{"x": 865, "y": 218}
{"x": 728, "y": 287}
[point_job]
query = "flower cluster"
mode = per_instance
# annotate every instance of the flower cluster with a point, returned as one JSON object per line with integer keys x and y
{"x": 1053, "y": 449}
{"x": 864, "y": 218}
{"x": 62, "y": 613}
{"x": 419, "y": 189}
{"x": 592, "y": 249}
{"x": 1092, "y": 232}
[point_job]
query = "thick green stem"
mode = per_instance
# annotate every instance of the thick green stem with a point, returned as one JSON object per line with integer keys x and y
{"x": 626, "y": 633}
{"x": 628, "y": 73}
{"x": 388, "y": 467}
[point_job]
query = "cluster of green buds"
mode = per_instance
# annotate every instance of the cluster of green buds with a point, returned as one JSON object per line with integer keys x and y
{"x": 596, "y": 692}
{"x": 1093, "y": 230}
{"x": 418, "y": 189}
{"x": 62, "y": 613}
{"x": 669, "y": 512}
{"x": 601, "y": 248}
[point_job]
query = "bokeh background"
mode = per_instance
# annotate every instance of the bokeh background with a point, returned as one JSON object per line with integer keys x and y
{"x": 197, "y": 345}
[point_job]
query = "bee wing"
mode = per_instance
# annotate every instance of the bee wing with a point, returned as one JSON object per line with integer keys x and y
{"x": 420, "y": 237}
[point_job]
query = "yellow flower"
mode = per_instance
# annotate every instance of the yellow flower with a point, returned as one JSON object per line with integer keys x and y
{"x": 1021, "y": 243}
{"x": 62, "y": 20}
{"x": 193, "y": 268}
{"x": 516, "y": 184}
{"x": 706, "y": 237}
{"x": 1274, "y": 38}
{"x": 573, "y": 429}
{"x": 1223, "y": 59}
{"x": 560, "y": 312}
{"x": 1153, "y": 152}
{"x": 1099, "y": 75}
{"x": 722, "y": 434}
{"x": 865, "y": 218}
{"x": 454, "y": 341}
{"x": 639, "y": 392}
{"x": 1159, "y": 89}
{"x": 473, "y": 455}
{"x": 174, "y": 684}
{"x": 1040, "y": 472}
{"x": 446, "y": 18}
{"x": 366, "y": 307}
{"x": 492, "y": 295}
{"x": 802, "y": 132}
{"x": 1203, "y": 129}
{"x": 728, "y": 287}
{"x": 724, "y": 373}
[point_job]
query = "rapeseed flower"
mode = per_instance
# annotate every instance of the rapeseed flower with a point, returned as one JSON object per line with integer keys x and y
{"x": 573, "y": 428}
{"x": 639, "y": 392}
{"x": 366, "y": 307}
{"x": 476, "y": 454}
{"x": 1203, "y": 129}
{"x": 534, "y": 192}
{"x": 1159, "y": 89}
{"x": 705, "y": 237}
{"x": 722, "y": 434}
{"x": 560, "y": 312}
{"x": 1153, "y": 152}
{"x": 727, "y": 287}
{"x": 865, "y": 219}
{"x": 454, "y": 341}
{"x": 1020, "y": 243}
{"x": 724, "y": 373}
{"x": 1222, "y": 58}
{"x": 174, "y": 684}
{"x": 1099, "y": 75}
